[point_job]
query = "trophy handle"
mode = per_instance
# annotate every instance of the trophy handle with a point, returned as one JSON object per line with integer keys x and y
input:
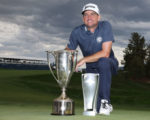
{"x": 74, "y": 59}
{"x": 49, "y": 63}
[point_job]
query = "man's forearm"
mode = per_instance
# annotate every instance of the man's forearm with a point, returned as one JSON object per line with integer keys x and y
{"x": 95, "y": 57}
{"x": 105, "y": 52}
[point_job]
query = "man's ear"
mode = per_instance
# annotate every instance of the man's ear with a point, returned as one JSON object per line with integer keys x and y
{"x": 99, "y": 18}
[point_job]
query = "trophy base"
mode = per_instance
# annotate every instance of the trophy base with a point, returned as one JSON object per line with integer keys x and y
{"x": 89, "y": 113}
{"x": 63, "y": 107}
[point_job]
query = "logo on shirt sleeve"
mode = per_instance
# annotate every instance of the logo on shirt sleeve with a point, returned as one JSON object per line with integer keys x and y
{"x": 99, "y": 39}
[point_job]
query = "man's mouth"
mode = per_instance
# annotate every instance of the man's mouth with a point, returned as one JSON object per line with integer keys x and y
{"x": 89, "y": 21}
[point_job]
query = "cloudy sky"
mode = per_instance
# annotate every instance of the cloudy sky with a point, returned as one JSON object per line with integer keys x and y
{"x": 30, "y": 27}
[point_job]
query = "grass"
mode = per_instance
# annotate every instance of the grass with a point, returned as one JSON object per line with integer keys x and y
{"x": 42, "y": 112}
{"x": 28, "y": 94}
{"x": 127, "y": 92}
{"x": 35, "y": 86}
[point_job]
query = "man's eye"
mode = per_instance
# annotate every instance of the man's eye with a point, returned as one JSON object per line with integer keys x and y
{"x": 93, "y": 14}
{"x": 85, "y": 14}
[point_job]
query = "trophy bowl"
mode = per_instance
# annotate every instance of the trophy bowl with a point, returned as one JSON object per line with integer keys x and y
{"x": 65, "y": 65}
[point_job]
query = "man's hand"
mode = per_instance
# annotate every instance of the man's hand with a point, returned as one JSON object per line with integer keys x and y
{"x": 69, "y": 49}
{"x": 80, "y": 63}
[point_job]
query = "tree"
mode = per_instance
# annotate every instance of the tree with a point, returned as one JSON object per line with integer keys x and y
{"x": 147, "y": 66}
{"x": 134, "y": 56}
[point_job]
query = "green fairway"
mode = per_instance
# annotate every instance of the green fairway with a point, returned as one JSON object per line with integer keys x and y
{"x": 38, "y": 112}
{"x": 28, "y": 95}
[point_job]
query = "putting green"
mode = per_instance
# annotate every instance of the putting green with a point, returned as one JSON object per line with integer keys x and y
{"x": 27, "y": 95}
{"x": 42, "y": 112}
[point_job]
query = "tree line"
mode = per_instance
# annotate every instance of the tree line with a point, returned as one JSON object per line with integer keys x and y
{"x": 136, "y": 59}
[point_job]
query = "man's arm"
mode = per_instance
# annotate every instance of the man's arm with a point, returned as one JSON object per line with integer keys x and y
{"x": 105, "y": 52}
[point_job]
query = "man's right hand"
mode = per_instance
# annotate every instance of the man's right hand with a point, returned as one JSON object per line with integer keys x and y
{"x": 68, "y": 49}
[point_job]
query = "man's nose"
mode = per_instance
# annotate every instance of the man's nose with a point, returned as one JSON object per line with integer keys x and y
{"x": 89, "y": 16}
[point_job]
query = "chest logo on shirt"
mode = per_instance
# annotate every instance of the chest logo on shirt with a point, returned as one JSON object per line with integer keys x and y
{"x": 99, "y": 39}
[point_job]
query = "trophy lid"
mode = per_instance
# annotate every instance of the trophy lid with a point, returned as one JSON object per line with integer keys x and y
{"x": 65, "y": 51}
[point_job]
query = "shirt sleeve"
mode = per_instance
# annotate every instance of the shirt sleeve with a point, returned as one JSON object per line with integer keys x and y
{"x": 73, "y": 41}
{"x": 107, "y": 33}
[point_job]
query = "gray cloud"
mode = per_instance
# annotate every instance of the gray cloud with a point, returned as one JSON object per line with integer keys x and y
{"x": 29, "y": 27}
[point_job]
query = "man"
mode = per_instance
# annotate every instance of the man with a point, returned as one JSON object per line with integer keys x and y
{"x": 95, "y": 40}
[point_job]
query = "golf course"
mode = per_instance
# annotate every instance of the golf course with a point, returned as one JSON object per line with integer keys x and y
{"x": 28, "y": 95}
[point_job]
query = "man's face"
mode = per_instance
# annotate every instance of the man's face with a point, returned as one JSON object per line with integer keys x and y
{"x": 90, "y": 19}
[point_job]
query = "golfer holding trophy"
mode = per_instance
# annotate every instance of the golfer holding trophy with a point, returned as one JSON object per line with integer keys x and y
{"x": 95, "y": 38}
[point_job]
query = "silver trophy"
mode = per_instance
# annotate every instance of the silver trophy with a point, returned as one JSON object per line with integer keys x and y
{"x": 90, "y": 84}
{"x": 65, "y": 65}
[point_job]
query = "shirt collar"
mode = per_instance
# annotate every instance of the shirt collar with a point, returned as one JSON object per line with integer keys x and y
{"x": 89, "y": 32}
{"x": 85, "y": 28}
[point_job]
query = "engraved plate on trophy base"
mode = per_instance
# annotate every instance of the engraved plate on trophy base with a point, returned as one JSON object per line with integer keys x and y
{"x": 63, "y": 107}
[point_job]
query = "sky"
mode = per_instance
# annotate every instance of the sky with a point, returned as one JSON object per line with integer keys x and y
{"x": 28, "y": 28}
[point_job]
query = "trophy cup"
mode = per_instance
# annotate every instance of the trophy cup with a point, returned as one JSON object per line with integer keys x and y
{"x": 90, "y": 83}
{"x": 65, "y": 65}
